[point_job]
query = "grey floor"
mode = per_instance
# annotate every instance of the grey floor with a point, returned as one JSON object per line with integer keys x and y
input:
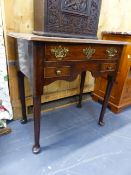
{"x": 72, "y": 144}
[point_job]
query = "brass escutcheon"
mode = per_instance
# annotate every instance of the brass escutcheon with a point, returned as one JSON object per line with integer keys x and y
{"x": 111, "y": 52}
{"x": 88, "y": 52}
{"x": 59, "y": 52}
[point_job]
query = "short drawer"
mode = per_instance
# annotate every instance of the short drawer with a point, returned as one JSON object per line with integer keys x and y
{"x": 50, "y": 72}
{"x": 83, "y": 52}
{"x": 108, "y": 67}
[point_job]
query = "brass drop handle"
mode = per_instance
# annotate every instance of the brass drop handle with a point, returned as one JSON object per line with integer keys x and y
{"x": 60, "y": 52}
{"x": 111, "y": 52}
{"x": 89, "y": 52}
{"x": 109, "y": 68}
{"x": 58, "y": 72}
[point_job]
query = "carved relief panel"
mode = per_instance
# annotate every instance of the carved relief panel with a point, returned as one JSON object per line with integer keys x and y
{"x": 67, "y": 17}
{"x": 80, "y": 7}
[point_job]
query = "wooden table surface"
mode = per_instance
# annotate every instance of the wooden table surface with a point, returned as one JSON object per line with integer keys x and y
{"x": 32, "y": 37}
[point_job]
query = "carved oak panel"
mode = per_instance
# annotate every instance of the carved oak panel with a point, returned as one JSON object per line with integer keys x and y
{"x": 68, "y": 17}
{"x": 80, "y": 7}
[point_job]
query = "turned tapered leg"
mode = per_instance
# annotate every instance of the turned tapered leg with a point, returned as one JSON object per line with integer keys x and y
{"x": 37, "y": 115}
{"x": 83, "y": 75}
{"x": 106, "y": 98}
{"x": 22, "y": 96}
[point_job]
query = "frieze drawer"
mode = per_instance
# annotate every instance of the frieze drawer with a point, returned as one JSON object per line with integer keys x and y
{"x": 57, "y": 71}
{"x": 108, "y": 67}
{"x": 63, "y": 52}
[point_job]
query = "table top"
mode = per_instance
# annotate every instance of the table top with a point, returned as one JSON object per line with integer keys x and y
{"x": 117, "y": 33}
{"x": 32, "y": 37}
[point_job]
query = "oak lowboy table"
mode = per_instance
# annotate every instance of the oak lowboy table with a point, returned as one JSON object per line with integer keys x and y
{"x": 47, "y": 59}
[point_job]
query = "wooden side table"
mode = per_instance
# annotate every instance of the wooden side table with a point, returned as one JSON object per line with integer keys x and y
{"x": 47, "y": 59}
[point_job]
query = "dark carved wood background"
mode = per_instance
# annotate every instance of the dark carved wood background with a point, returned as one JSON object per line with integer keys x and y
{"x": 72, "y": 16}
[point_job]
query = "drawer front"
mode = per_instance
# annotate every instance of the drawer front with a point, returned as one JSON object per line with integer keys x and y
{"x": 108, "y": 67}
{"x": 63, "y": 52}
{"x": 50, "y": 72}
